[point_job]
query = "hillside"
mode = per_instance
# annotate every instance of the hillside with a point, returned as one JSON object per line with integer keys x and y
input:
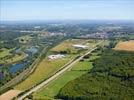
{"x": 112, "y": 78}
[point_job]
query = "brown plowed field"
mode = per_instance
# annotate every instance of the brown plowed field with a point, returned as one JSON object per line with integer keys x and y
{"x": 127, "y": 46}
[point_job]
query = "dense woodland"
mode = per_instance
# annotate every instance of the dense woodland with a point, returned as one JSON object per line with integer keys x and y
{"x": 111, "y": 78}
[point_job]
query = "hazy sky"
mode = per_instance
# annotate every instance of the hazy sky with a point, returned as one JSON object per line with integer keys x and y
{"x": 66, "y": 9}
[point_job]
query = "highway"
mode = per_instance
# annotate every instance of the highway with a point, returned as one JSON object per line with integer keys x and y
{"x": 46, "y": 82}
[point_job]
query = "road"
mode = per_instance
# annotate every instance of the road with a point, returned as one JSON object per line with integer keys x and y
{"x": 57, "y": 74}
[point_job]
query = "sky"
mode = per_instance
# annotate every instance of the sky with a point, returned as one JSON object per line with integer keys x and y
{"x": 66, "y": 9}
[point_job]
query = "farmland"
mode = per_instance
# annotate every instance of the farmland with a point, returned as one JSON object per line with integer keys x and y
{"x": 127, "y": 46}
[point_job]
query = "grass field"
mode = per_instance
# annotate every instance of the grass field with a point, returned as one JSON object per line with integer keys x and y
{"x": 43, "y": 71}
{"x": 4, "y": 52}
{"x": 54, "y": 87}
{"x": 15, "y": 58}
{"x": 52, "y": 90}
{"x": 127, "y": 46}
{"x": 67, "y": 45}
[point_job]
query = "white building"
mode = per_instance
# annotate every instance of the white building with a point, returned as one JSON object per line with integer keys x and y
{"x": 80, "y": 46}
{"x": 51, "y": 57}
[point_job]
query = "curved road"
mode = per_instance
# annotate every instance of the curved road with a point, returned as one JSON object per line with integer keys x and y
{"x": 56, "y": 75}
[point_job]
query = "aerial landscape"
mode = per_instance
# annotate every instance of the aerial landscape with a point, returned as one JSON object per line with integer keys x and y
{"x": 66, "y": 50}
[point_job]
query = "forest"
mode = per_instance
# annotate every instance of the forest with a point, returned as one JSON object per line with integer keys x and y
{"x": 111, "y": 78}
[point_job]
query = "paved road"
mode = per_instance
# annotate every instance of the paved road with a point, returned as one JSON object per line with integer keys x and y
{"x": 56, "y": 75}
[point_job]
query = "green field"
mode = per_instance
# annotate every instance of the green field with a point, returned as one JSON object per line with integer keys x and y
{"x": 43, "y": 71}
{"x": 52, "y": 90}
{"x": 4, "y": 52}
{"x": 7, "y": 57}
{"x": 67, "y": 45}
{"x": 15, "y": 58}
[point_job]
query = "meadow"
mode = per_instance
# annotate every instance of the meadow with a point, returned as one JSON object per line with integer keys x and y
{"x": 67, "y": 45}
{"x": 45, "y": 69}
{"x": 4, "y": 52}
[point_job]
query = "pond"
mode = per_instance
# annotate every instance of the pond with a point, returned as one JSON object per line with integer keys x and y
{"x": 32, "y": 50}
{"x": 1, "y": 65}
{"x": 1, "y": 76}
{"x": 14, "y": 68}
{"x": 17, "y": 50}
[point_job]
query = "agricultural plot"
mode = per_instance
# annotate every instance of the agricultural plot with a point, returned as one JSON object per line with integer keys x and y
{"x": 127, "y": 46}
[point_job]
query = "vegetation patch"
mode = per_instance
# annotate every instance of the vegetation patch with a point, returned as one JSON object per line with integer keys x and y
{"x": 67, "y": 46}
{"x": 4, "y": 52}
{"x": 45, "y": 69}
